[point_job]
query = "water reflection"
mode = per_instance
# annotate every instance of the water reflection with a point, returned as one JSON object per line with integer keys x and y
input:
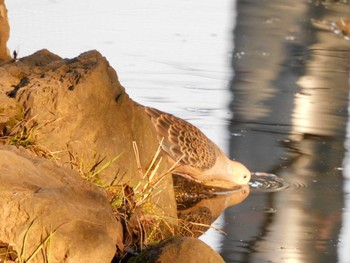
{"x": 290, "y": 104}
{"x": 199, "y": 205}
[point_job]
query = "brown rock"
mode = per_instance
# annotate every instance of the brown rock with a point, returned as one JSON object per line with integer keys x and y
{"x": 180, "y": 250}
{"x": 82, "y": 115}
{"x": 4, "y": 32}
{"x": 82, "y": 109}
{"x": 40, "y": 201}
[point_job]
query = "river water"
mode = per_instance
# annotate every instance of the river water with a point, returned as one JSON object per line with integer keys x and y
{"x": 268, "y": 81}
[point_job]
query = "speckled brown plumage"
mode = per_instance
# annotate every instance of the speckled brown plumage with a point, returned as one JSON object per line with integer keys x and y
{"x": 198, "y": 157}
{"x": 183, "y": 140}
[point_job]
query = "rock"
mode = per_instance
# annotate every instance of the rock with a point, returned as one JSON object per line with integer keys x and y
{"x": 82, "y": 115}
{"x": 45, "y": 200}
{"x": 4, "y": 32}
{"x": 81, "y": 109}
{"x": 177, "y": 249}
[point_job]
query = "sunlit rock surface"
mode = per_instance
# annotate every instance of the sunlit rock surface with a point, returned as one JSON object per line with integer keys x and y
{"x": 78, "y": 110}
{"x": 45, "y": 204}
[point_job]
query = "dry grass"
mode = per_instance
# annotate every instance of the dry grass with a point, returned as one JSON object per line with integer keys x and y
{"x": 144, "y": 221}
{"x": 21, "y": 133}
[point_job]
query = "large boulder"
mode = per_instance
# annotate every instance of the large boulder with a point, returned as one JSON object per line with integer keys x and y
{"x": 80, "y": 113}
{"x": 50, "y": 208}
{"x": 81, "y": 110}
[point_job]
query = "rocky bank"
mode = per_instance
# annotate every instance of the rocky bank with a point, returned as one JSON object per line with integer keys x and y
{"x": 69, "y": 136}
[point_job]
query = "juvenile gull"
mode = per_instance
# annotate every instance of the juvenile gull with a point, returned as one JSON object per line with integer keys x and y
{"x": 198, "y": 157}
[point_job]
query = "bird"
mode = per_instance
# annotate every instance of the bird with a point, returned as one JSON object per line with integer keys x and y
{"x": 194, "y": 155}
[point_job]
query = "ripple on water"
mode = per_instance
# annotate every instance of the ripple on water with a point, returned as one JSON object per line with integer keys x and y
{"x": 266, "y": 182}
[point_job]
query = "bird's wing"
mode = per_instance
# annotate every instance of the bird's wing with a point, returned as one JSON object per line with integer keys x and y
{"x": 183, "y": 141}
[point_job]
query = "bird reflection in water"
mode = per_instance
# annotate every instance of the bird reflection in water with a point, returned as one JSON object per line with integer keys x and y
{"x": 198, "y": 206}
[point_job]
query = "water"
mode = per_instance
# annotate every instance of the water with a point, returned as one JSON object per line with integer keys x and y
{"x": 268, "y": 81}
{"x": 291, "y": 92}
{"x": 268, "y": 182}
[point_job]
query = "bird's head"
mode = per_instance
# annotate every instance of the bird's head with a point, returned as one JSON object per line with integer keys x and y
{"x": 239, "y": 173}
{"x": 236, "y": 174}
